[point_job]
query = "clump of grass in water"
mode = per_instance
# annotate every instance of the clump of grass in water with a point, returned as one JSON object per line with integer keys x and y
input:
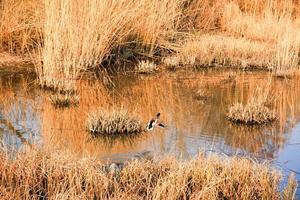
{"x": 113, "y": 123}
{"x": 251, "y": 114}
{"x": 64, "y": 100}
{"x": 146, "y": 67}
{"x": 254, "y": 112}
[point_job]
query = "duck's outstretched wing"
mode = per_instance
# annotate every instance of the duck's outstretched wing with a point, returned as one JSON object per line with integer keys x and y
{"x": 161, "y": 125}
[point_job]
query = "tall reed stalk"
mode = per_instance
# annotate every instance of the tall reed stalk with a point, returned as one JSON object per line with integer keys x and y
{"x": 79, "y": 34}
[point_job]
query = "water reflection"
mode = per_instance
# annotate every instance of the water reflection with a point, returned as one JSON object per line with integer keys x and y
{"x": 192, "y": 124}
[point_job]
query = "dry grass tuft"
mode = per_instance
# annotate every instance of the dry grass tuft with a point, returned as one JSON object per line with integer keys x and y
{"x": 254, "y": 112}
{"x": 106, "y": 123}
{"x": 34, "y": 175}
{"x": 64, "y": 100}
{"x": 172, "y": 61}
{"x": 251, "y": 114}
{"x": 146, "y": 67}
{"x": 202, "y": 94}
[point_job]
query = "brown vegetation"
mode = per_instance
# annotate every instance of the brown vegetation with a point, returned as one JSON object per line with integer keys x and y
{"x": 254, "y": 112}
{"x": 268, "y": 40}
{"x": 68, "y": 37}
{"x": 146, "y": 67}
{"x": 111, "y": 123}
{"x": 38, "y": 175}
{"x": 250, "y": 114}
{"x": 20, "y": 24}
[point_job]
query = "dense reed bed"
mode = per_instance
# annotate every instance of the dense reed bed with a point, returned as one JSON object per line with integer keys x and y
{"x": 35, "y": 175}
{"x": 67, "y": 37}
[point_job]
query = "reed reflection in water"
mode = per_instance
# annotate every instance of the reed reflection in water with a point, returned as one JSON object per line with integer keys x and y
{"x": 192, "y": 124}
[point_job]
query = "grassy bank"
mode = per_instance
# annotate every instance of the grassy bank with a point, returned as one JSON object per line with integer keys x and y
{"x": 37, "y": 175}
{"x": 67, "y": 37}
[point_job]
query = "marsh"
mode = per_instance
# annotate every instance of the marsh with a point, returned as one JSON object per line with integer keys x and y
{"x": 192, "y": 126}
{"x": 82, "y": 80}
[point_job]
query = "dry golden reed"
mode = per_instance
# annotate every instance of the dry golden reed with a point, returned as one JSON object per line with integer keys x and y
{"x": 78, "y": 34}
{"x": 69, "y": 37}
{"x": 254, "y": 111}
{"x": 243, "y": 37}
{"x": 19, "y": 25}
{"x": 112, "y": 123}
{"x": 251, "y": 114}
{"x": 38, "y": 175}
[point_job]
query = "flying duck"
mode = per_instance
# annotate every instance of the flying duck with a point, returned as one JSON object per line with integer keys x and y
{"x": 153, "y": 123}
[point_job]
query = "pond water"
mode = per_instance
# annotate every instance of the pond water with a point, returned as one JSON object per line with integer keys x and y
{"x": 27, "y": 116}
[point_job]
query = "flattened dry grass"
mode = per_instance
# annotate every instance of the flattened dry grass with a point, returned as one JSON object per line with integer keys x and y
{"x": 268, "y": 40}
{"x": 220, "y": 50}
{"x": 251, "y": 114}
{"x": 113, "y": 123}
{"x": 35, "y": 175}
{"x": 228, "y": 51}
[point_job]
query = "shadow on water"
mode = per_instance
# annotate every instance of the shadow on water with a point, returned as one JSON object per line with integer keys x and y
{"x": 193, "y": 124}
{"x": 110, "y": 141}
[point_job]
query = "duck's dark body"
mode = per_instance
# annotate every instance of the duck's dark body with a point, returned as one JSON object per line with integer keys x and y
{"x": 153, "y": 122}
